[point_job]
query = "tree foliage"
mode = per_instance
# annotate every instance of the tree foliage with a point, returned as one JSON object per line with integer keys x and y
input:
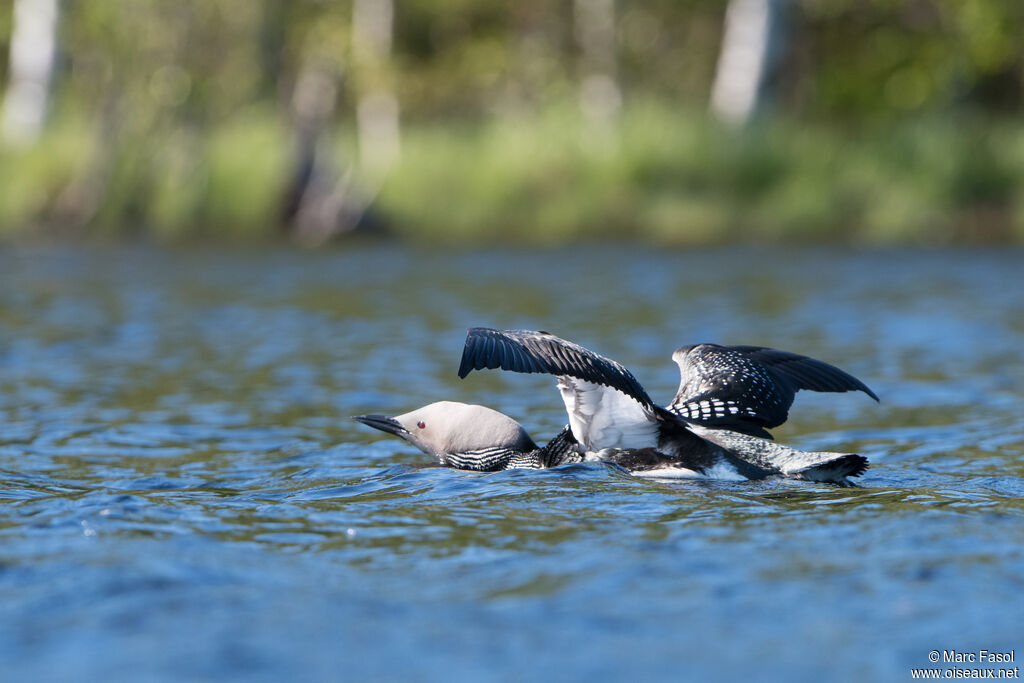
{"x": 168, "y": 114}
{"x": 208, "y": 58}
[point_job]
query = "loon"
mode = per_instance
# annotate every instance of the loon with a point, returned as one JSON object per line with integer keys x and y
{"x": 472, "y": 437}
{"x": 746, "y": 389}
{"x": 716, "y": 426}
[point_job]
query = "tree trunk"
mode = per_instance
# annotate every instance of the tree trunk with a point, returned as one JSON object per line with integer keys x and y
{"x": 600, "y": 98}
{"x": 751, "y": 45}
{"x": 377, "y": 115}
{"x": 32, "y": 60}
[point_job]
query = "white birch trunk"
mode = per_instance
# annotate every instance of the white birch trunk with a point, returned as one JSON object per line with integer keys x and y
{"x": 751, "y": 46}
{"x": 377, "y": 113}
{"x": 600, "y": 97}
{"x": 33, "y": 57}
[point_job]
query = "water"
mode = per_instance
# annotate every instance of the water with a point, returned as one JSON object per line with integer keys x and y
{"x": 184, "y": 498}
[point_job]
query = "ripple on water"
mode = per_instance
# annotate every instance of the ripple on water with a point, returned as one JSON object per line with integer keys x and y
{"x": 184, "y": 495}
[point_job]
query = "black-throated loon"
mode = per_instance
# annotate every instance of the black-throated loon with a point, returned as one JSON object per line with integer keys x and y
{"x": 714, "y": 427}
{"x": 472, "y": 437}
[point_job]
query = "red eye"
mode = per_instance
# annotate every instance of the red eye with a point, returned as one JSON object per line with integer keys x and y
{"x": 421, "y": 425}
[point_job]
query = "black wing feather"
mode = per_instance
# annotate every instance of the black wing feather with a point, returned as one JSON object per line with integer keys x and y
{"x": 808, "y": 373}
{"x": 495, "y": 351}
{"x": 529, "y": 351}
{"x": 749, "y": 388}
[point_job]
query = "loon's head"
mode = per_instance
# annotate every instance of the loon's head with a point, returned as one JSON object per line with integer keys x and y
{"x": 449, "y": 428}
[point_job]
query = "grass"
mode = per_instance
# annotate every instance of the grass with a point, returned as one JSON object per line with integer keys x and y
{"x": 661, "y": 175}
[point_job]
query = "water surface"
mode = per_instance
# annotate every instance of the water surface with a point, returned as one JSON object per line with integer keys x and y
{"x": 183, "y": 496}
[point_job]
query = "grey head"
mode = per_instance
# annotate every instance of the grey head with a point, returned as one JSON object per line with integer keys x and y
{"x": 458, "y": 434}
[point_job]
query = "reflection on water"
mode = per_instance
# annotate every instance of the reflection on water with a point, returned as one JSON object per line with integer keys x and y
{"x": 183, "y": 495}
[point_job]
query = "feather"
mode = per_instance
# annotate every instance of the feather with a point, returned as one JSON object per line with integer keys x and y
{"x": 749, "y": 388}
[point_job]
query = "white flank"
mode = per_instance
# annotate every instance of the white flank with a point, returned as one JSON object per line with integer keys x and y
{"x": 669, "y": 473}
{"x": 722, "y": 471}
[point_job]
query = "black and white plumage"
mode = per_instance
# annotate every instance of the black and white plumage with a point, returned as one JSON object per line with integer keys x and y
{"x": 749, "y": 389}
{"x": 742, "y": 388}
{"x": 472, "y": 437}
{"x": 529, "y": 351}
{"x": 726, "y": 393}
{"x": 596, "y": 416}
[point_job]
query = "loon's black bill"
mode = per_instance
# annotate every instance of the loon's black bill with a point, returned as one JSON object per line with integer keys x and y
{"x": 384, "y": 423}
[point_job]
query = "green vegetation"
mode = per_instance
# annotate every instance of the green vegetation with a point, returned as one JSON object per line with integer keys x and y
{"x": 891, "y": 121}
{"x": 662, "y": 175}
{"x": 674, "y": 177}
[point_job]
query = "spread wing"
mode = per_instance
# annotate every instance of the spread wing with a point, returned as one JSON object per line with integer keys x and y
{"x": 607, "y": 406}
{"x": 749, "y": 388}
{"x": 529, "y": 351}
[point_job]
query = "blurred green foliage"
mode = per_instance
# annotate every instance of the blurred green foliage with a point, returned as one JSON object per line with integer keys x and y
{"x": 894, "y": 121}
{"x": 677, "y": 177}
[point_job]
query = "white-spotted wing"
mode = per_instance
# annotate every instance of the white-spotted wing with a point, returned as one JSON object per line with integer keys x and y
{"x": 749, "y": 388}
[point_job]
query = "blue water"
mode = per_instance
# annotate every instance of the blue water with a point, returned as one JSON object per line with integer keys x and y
{"x": 182, "y": 496}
